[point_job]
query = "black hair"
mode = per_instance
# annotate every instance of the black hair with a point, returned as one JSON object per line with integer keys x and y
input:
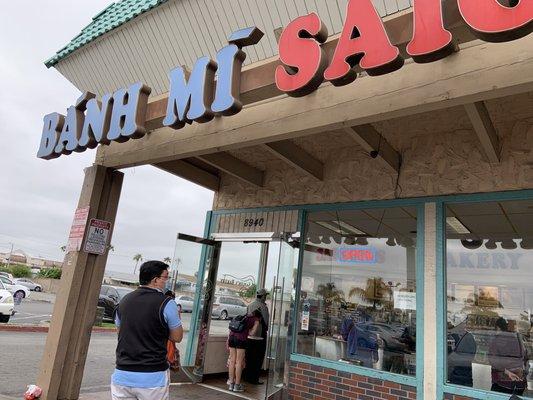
{"x": 150, "y": 270}
{"x": 502, "y": 324}
{"x": 257, "y": 313}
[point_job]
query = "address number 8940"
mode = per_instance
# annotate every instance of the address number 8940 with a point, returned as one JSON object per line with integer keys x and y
{"x": 249, "y": 222}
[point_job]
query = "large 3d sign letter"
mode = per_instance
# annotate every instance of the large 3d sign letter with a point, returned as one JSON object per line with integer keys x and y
{"x": 129, "y": 113}
{"x": 363, "y": 41}
{"x": 52, "y": 127}
{"x": 431, "y": 41}
{"x": 494, "y": 22}
{"x": 97, "y": 119}
{"x": 68, "y": 140}
{"x": 190, "y": 100}
{"x": 229, "y": 61}
{"x": 303, "y": 58}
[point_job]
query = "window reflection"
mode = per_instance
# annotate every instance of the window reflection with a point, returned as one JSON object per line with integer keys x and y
{"x": 490, "y": 281}
{"x": 358, "y": 289}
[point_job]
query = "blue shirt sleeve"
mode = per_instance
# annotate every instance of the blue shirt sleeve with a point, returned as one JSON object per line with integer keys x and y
{"x": 171, "y": 315}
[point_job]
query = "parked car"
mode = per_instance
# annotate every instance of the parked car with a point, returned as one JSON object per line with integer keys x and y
{"x": 186, "y": 303}
{"x": 6, "y": 274}
{"x": 391, "y": 339}
{"x": 109, "y": 298}
{"x": 7, "y": 305}
{"x": 18, "y": 291}
{"x": 29, "y": 284}
{"x": 225, "y": 307}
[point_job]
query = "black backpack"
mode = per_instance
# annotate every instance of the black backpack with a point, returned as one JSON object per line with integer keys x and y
{"x": 238, "y": 324}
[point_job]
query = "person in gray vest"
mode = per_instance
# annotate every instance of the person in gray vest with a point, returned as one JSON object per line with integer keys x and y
{"x": 256, "y": 347}
{"x": 146, "y": 319}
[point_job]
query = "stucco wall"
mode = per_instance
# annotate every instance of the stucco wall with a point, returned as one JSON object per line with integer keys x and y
{"x": 441, "y": 155}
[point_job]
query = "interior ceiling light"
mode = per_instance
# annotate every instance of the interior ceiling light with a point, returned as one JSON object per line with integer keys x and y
{"x": 391, "y": 242}
{"x": 491, "y": 244}
{"x": 527, "y": 243}
{"x": 350, "y": 228}
{"x": 340, "y": 227}
{"x": 509, "y": 244}
{"x": 457, "y": 225}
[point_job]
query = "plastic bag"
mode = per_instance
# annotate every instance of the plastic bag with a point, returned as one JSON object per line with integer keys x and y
{"x": 173, "y": 356}
{"x": 33, "y": 392}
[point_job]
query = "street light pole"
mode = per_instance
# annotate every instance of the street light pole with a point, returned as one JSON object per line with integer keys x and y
{"x": 10, "y": 253}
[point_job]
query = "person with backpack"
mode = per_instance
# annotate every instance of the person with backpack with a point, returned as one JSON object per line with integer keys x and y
{"x": 239, "y": 329}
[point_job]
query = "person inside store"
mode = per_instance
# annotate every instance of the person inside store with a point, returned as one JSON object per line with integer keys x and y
{"x": 256, "y": 346}
{"x": 508, "y": 360}
{"x": 145, "y": 320}
{"x": 240, "y": 328}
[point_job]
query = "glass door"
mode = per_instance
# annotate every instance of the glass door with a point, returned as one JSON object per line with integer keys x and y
{"x": 194, "y": 270}
{"x": 282, "y": 297}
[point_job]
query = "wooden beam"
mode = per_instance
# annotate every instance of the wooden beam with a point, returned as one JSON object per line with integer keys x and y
{"x": 479, "y": 72}
{"x": 65, "y": 352}
{"x": 235, "y": 167}
{"x": 480, "y": 119}
{"x": 297, "y": 157}
{"x": 257, "y": 79}
{"x": 372, "y": 141}
{"x": 189, "y": 172}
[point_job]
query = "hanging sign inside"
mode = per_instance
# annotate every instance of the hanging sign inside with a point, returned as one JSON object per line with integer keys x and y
{"x": 364, "y": 43}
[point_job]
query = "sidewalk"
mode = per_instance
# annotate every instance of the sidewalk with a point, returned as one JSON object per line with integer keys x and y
{"x": 182, "y": 392}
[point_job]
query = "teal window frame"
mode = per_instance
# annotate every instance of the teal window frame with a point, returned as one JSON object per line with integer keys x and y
{"x": 444, "y": 387}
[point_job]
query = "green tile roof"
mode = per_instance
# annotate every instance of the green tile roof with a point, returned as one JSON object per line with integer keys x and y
{"x": 106, "y": 20}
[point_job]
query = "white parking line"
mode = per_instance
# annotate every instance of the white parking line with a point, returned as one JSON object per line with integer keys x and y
{"x": 31, "y": 316}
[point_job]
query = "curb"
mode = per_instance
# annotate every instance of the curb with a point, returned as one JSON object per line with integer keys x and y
{"x": 44, "y": 329}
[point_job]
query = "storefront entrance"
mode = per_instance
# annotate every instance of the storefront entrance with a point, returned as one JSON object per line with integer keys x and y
{"x": 221, "y": 275}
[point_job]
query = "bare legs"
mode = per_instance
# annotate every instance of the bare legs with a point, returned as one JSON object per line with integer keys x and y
{"x": 236, "y": 364}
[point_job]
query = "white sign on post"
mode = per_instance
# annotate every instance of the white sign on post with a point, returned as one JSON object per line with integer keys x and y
{"x": 97, "y": 236}
{"x": 77, "y": 230}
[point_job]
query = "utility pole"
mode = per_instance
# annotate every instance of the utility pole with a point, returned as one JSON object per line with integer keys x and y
{"x": 10, "y": 253}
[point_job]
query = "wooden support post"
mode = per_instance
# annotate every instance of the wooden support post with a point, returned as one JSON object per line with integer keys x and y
{"x": 480, "y": 119}
{"x": 233, "y": 166}
{"x": 297, "y": 157}
{"x": 190, "y": 172}
{"x": 372, "y": 141}
{"x": 68, "y": 338}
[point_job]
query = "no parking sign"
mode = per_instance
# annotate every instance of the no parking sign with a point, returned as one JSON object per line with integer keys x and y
{"x": 97, "y": 236}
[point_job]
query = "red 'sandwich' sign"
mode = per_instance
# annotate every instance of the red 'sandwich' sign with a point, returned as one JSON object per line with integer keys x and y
{"x": 364, "y": 41}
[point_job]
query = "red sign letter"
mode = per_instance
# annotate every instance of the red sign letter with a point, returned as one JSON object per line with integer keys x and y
{"x": 299, "y": 49}
{"x": 431, "y": 41}
{"x": 493, "y": 22}
{"x": 364, "y": 41}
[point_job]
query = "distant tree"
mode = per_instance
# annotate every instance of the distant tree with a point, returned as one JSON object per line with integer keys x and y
{"x": 21, "y": 271}
{"x": 137, "y": 258}
{"x": 376, "y": 292}
{"x": 51, "y": 273}
{"x": 167, "y": 260}
{"x": 249, "y": 292}
{"x": 63, "y": 248}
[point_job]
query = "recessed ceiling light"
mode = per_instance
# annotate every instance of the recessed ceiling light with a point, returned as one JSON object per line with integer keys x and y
{"x": 457, "y": 225}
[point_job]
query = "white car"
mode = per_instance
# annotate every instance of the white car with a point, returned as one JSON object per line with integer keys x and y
{"x": 29, "y": 284}
{"x": 186, "y": 303}
{"x": 18, "y": 291}
{"x": 7, "y": 304}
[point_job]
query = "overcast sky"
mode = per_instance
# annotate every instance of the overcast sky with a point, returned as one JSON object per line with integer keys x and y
{"x": 38, "y": 197}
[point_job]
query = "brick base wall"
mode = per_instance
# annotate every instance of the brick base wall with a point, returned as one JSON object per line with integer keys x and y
{"x": 448, "y": 396}
{"x": 310, "y": 382}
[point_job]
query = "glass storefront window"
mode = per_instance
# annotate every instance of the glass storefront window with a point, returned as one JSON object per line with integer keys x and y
{"x": 358, "y": 288}
{"x": 489, "y": 257}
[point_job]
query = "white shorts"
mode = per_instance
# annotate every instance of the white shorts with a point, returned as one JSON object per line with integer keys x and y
{"x": 127, "y": 393}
